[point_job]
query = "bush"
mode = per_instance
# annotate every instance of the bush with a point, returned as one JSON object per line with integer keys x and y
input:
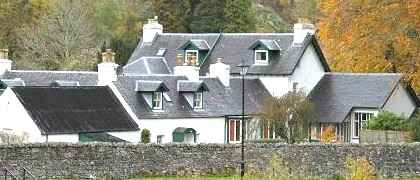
{"x": 388, "y": 121}
{"x": 360, "y": 169}
{"x": 145, "y": 136}
{"x": 328, "y": 135}
{"x": 415, "y": 127}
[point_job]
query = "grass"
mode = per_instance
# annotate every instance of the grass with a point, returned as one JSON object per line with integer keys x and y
{"x": 246, "y": 178}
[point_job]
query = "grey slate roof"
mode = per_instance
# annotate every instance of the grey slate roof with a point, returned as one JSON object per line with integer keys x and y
{"x": 267, "y": 43}
{"x": 191, "y": 86}
{"x": 233, "y": 48}
{"x": 13, "y": 82}
{"x": 337, "y": 93}
{"x": 200, "y": 44}
{"x": 218, "y": 101}
{"x": 69, "y": 110}
{"x": 147, "y": 65}
{"x": 45, "y": 78}
{"x": 150, "y": 86}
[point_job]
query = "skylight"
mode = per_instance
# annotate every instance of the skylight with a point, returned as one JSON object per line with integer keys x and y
{"x": 161, "y": 52}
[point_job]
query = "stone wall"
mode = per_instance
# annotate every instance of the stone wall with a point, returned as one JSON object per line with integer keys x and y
{"x": 125, "y": 160}
{"x": 378, "y": 136}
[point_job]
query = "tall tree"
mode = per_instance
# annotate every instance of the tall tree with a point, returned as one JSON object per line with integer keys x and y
{"x": 173, "y": 14}
{"x": 239, "y": 16}
{"x": 205, "y": 17}
{"x": 372, "y": 36}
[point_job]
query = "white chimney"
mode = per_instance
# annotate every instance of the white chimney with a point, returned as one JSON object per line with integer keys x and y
{"x": 301, "y": 30}
{"x": 5, "y": 63}
{"x": 107, "y": 70}
{"x": 190, "y": 70}
{"x": 151, "y": 29}
{"x": 220, "y": 70}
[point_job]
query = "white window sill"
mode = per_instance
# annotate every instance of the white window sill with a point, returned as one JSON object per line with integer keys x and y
{"x": 261, "y": 63}
{"x": 198, "y": 109}
{"x": 157, "y": 110}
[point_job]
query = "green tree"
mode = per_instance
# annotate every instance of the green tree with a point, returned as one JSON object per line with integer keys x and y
{"x": 173, "y": 14}
{"x": 207, "y": 16}
{"x": 239, "y": 16}
{"x": 145, "y": 136}
{"x": 388, "y": 121}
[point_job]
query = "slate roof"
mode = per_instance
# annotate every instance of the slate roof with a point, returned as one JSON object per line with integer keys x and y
{"x": 45, "y": 78}
{"x": 150, "y": 86}
{"x": 13, "y": 82}
{"x": 233, "y": 48}
{"x": 267, "y": 43}
{"x": 147, "y": 65}
{"x": 200, "y": 44}
{"x": 191, "y": 86}
{"x": 338, "y": 93}
{"x": 68, "y": 110}
{"x": 217, "y": 102}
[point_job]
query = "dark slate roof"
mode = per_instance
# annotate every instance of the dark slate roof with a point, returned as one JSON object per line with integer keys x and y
{"x": 233, "y": 48}
{"x": 150, "y": 86}
{"x": 13, "y": 82}
{"x": 191, "y": 86}
{"x": 218, "y": 101}
{"x": 200, "y": 44}
{"x": 338, "y": 93}
{"x": 45, "y": 78}
{"x": 66, "y": 83}
{"x": 147, "y": 65}
{"x": 267, "y": 43}
{"x": 68, "y": 110}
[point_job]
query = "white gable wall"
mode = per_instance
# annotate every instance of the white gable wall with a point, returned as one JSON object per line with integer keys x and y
{"x": 400, "y": 102}
{"x": 14, "y": 116}
{"x": 276, "y": 85}
{"x": 309, "y": 70}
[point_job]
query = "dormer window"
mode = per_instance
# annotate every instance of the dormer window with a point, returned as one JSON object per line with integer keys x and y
{"x": 261, "y": 57}
{"x": 198, "y": 100}
{"x": 157, "y": 100}
{"x": 191, "y": 57}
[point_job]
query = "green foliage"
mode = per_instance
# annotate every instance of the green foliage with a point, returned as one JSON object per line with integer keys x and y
{"x": 387, "y": 121}
{"x": 145, "y": 136}
{"x": 415, "y": 127}
{"x": 239, "y": 16}
{"x": 208, "y": 16}
{"x": 268, "y": 21}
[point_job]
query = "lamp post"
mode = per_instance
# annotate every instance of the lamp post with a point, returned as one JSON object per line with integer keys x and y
{"x": 244, "y": 70}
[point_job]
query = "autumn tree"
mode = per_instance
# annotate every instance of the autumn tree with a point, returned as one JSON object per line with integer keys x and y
{"x": 372, "y": 36}
{"x": 289, "y": 115}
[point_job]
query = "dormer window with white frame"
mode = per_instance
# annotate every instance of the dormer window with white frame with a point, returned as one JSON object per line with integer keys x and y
{"x": 157, "y": 100}
{"x": 191, "y": 57}
{"x": 261, "y": 57}
{"x": 198, "y": 100}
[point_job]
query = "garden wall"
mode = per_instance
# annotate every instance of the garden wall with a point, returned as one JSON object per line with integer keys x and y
{"x": 378, "y": 136}
{"x": 125, "y": 160}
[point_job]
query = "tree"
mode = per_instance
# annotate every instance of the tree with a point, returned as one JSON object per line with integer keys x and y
{"x": 239, "y": 16}
{"x": 173, "y": 14}
{"x": 206, "y": 18}
{"x": 290, "y": 115}
{"x": 372, "y": 36}
{"x": 388, "y": 121}
{"x": 64, "y": 39}
{"x": 145, "y": 136}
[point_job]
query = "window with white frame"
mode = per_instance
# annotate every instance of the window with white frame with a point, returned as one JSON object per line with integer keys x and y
{"x": 191, "y": 57}
{"x": 159, "y": 139}
{"x": 235, "y": 130}
{"x": 157, "y": 100}
{"x": 198, "y": 100}
{"x": 360, "y": 120}
{"x": 261, "y": 57}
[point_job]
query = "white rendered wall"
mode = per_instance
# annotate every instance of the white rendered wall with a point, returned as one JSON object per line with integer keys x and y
{"x": 68, "y": 138}
{"x": 309, "y": 70}
{"x": 209, "y": 130}
{"x": 14, "y": 116}
{"x": 130, "y": 136}
{"x": 400, "y": 102}
{"x": 276, "y": 85}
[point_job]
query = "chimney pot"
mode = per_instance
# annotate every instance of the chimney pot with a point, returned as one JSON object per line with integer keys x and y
{"x": 4, "y": 53}
{"x": 107, "y": 70}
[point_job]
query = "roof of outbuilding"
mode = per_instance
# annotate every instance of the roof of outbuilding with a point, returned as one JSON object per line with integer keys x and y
{"x": 233, "y": 48}
{"x": 217, "y": 102}
{"x": 45, "y": 78}
{"x": 68, "y": 110}
{"x": 338, "y": 93}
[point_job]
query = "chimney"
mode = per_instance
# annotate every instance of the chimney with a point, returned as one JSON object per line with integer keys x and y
{"x": 151, "y": 29}
{"x": 192, "y": 72}
{"x": 301, "y": 30}
{"x": 5, "y": 63}
{"x": 107, "y": 70}
{"x": 221, "y": 71}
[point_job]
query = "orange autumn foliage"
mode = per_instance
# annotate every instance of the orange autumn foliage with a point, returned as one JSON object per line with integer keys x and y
{"x": 372, "y": 36}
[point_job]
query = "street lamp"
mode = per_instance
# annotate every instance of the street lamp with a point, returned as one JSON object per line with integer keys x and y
{"x": 244, "y": 70}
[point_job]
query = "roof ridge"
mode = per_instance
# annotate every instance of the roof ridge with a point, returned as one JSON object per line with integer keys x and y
{"x": 47, "y": 71}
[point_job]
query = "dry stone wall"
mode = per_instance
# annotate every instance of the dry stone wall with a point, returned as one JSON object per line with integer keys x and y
{"x": 127, "y": 160}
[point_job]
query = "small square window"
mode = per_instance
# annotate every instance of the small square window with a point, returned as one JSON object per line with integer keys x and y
{"x": 161, "y": 52}
{"x": 261, "y": 57}
{"x": 157, "y": 100}
{"x": 198, "y": 100}
{"x": 191, "y": 57}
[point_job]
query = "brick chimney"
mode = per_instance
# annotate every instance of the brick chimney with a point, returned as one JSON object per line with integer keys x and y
{"x": 5, "y": 63}
{"x": 107, "y": 70}
{"x": 151, "y": 29}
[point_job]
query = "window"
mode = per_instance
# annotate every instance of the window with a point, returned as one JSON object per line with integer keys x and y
{"x": 198, "y": 100}
{"x": 159, "y": 139}
{"x": 295, "y": 86}
{"x": 157, "y": 100}
{"x": 191, "y": 57}
{"x": 360, "y": 120}
{"x": 261, "y": 57}
{"x": 161, "y": 52}
{"x": 234, "y": 130}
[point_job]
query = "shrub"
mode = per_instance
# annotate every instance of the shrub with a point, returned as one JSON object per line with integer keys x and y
{"x": 145, "y": 136}
{"x": 415, "y": 127}
{"x": 328, "y": 135}
{"x": 360, "y": 169}
{"x": 388, "y": 121}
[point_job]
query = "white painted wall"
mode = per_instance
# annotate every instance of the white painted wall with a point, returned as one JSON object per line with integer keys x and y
{"x": 309, "y": 71}
{"x": 69, "y": 138}
{"x": 14, "y": 116}
{"x": 130, "y": 136}
{"x": 276, "y": 85}
{"x": 400, "y": 102}
{"x": 209, "y": 130}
